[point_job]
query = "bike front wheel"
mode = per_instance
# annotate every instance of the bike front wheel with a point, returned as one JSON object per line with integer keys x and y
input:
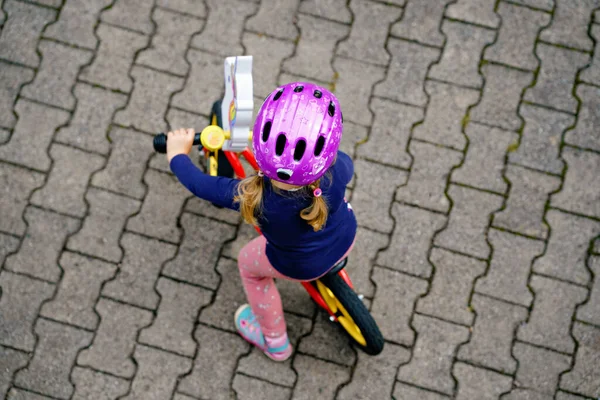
{"x": 351, "y": 313}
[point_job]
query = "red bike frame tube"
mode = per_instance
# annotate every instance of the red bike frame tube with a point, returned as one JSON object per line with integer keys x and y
{"x": 344, "y": 275}
{"x": 250, "y": 158}
{"x": 236, "y": 164}
{"x": 316, "y": 296}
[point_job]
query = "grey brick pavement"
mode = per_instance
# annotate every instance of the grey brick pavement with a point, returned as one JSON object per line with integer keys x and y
{"x": 474, "y": 125}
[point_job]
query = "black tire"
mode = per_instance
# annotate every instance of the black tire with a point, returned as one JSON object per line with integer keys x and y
{"x": 359, "y": 313}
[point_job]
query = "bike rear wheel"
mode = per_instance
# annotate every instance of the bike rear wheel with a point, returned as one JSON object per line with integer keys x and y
{"x": 351, "y": 313}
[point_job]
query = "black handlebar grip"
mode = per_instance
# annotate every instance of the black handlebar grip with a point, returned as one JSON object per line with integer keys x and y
{"x": 160, "y": 142}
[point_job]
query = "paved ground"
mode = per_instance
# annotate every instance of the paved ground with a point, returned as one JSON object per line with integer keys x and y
{"x": 475, "y": 129}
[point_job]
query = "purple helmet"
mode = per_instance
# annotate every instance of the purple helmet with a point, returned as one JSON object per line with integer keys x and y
{"x": 297, "y": 133}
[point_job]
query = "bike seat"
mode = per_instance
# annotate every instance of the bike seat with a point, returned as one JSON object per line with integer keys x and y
{"x": 337, "y": 267}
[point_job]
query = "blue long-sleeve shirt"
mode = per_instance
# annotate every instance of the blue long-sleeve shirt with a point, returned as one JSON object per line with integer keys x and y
{"x": 293, "y": 247}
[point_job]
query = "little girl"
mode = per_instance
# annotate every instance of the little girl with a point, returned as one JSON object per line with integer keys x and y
{"x": 297, "y": 199}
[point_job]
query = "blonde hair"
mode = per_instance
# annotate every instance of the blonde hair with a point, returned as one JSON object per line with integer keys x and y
{"x": 250, "y": 196}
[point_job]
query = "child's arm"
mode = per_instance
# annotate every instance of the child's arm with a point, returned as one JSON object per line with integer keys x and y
{"x": 217, "y": 190}
{"x": 344, "y": 167}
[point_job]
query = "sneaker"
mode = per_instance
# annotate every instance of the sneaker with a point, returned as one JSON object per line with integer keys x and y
{"x": 249, "y": 328}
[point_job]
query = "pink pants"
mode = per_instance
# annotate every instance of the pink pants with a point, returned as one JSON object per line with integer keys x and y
{"x": 257, "y": 277}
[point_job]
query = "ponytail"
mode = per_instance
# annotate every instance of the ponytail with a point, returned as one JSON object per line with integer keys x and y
{"x": 250, "y": 197}
{"x": 316, "y": 213}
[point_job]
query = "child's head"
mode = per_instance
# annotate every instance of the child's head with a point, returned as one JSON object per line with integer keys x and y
{"x": 296, "y": 137}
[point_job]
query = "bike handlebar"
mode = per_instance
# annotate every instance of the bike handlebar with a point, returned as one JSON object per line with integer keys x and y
{"x": 160, "y": 142}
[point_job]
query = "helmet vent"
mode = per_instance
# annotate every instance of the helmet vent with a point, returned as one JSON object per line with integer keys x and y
{"x": 319, "y": 146}
{"x": 266, "y": 131}
{"x": 280, "y": 144}
{"x": 278, "y": 95}
{"x": 318, "y": 94}
{"x": 299, "y": 150}
{"x": 298, "y": 89}
{"x": 331, "y": 109}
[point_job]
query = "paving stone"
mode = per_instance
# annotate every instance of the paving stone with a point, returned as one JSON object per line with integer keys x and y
{"x": 517, "y": 36}
{"x": 411, "y": 240}
{"x": 367, "y": 40}
{"x": 4, "y": 135}
{"x": 469, "y": 220}
{"x": 10, "y": 361}
{"x": 406, "y": 72}
{"x": 275, "y": 18}
{"x": 44, "y": 239}
{"x": 429, "y": 176}
{"x": 584, "y": 134}
{"x": 569, "y": 25}
{"x": 115, "y": 55}
{"x": 56, "y": 75}
{"x": 154, "y": 219}
{"x": 107, "y": 215}
{"x": 501, "y": 96}
{"x": 444, "y": 120}
{"x": 12, "y": 78}
{"x": 590, "y": 311}
{"x": 584, "y": 376}
{"x": 525, "y": 206}
{"x": 553, "y": 306}
{"x": 336, "y": 10}
{"x": 76, "y": 23}
{"x": 317, "y": 378}
{"x": 248, "y": 388}
{"x": 268, "y": 54}
{"x": 178, "y": 396}
{"x": 569, "y": 240}
{"x": 174, "y": 324}
{"x": 36, "y": 118}
{"x": 526, "y": 394}
{"x": 192, "y": 7}
{"x": 480, "y": 12}
{"x": 149, "y": 100}
{"x": 178, "y": 118}
{"x": 49, "y": 369}
{"x": 115, "y": 338}
{"x": 567, "y": 396}
{"x": 9, "y": 244}
{"x": 361, "y": 259}
{"x": 169, "y": 44}
{"x": 539, "y": 369}
{"x": 492, "y": 335}
{"x": 328, "y": 341}
{"x": 315, "y": 48}
{"x": 394, "y": 304}
{"x": 547, "y": 5}
{"x": 126, "y": 163}
{"x": 510, "y": 266}
{"x": 378, "y": 371}
{"x": 403, "y": 391}
{"x": 17, "y": 185}
{"x": 591, "y": 74}
{"x": 479, "y": 383}
{"x": 204, "y": 237}
{"x": 214, "y": 365}
{"x": 421, "y": 22}
{"x": 391, "y": 130}
{"x": 448, "y": 296}
{"x": 21, "y": 31}
{"x": 67, "y": 181}
{"x": 139, "y": 270}
{"x": 229, "y": 297}
{"x": 157, "y": 373}
{"x": 135, "y": 15}
{"x": 556, "y": 78}
{"x": 295, "y": 299}
{"x": 356, "y": 134}
{"x": 460, "y": 61}
{"x": 90, "y": 384}
{"x": 486, "y": 144}
{"x": 204, "y": 84}
{"x": 16, "y": 394}
{"x": 203, "y": 208}
{"x": 579, "y": 192}
{"x": 540, "y": 139}
{"x": 255, "y": 364}
{"x": 354, "y": 87}
{"x": 78, "y": 290}
{"x": 220, "y": 38}
{"x": 436, "y": 340}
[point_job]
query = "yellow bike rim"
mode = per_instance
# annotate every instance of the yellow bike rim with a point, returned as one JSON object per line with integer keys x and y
{"x": 342, "y": 314}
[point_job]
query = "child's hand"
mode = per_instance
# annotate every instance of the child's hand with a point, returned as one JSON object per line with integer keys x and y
{"x": 179, "y": 142}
